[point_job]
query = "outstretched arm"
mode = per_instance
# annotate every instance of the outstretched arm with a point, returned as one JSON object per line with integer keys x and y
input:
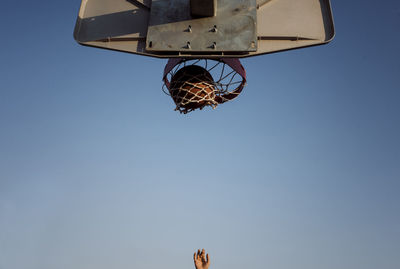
{"x": 201, "y": 260}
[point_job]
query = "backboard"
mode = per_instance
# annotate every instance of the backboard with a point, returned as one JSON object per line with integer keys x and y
{"x": 180, "y": 28}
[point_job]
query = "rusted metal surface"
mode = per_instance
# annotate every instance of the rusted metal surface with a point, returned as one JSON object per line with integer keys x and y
{"x": 233, "y": 29}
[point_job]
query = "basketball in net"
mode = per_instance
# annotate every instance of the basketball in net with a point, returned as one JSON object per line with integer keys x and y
{"x": 192, "y": 87}
{"x": 203, "y": 82}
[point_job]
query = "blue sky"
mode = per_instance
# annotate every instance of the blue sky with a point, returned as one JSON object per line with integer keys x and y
{"x": 97, "y": 170}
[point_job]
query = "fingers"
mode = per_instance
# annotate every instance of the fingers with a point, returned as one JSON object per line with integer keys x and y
{"x": 201, "y": 256}
{"x": 196, "y": 255}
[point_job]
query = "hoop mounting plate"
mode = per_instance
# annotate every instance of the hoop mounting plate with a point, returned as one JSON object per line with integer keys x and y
{"x": 233, "y": 29}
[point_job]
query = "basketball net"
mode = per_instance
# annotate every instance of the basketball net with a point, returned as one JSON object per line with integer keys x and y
{"x": 195, "y": 84}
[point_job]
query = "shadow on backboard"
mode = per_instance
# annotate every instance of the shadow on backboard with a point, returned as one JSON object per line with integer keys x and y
{"x": 107, "y": 26}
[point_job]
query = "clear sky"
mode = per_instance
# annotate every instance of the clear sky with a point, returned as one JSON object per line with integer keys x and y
{"x": 97, "y": 171}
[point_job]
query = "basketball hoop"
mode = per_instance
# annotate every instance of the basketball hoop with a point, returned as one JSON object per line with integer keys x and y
{"x": 197, "y": 83}
{"x": 203, "y": 39}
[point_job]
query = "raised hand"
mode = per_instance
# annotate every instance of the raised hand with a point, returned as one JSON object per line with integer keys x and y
{"x": 201, "y": 260}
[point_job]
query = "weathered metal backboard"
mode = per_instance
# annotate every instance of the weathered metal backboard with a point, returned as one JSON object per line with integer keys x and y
{"x": 129, "y": 26}
{"x": 172, "y": 28}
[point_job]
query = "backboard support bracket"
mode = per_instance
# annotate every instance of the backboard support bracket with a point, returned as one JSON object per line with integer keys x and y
{"x": 144, "y": 3}
{"x": 203, "y": 8}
